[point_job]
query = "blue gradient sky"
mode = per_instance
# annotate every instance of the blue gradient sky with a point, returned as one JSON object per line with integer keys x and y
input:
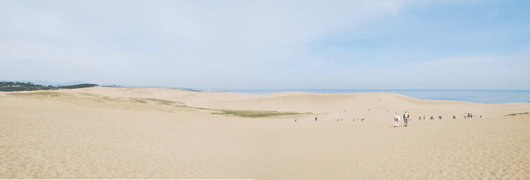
{"x": 269, "y": 44}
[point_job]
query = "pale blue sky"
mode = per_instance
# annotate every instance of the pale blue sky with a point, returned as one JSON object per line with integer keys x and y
{"x": 269, "y": 44}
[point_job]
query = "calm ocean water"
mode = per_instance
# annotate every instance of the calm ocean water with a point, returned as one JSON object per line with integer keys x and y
{"x": 478, "y": 96}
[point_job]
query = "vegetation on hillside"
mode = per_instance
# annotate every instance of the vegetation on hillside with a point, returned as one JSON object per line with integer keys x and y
{"x": 517, "y": 114}
{"x": 252, "y": 114}
{"x": 22, "y": 86}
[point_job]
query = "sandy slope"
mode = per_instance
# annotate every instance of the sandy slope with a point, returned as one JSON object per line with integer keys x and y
{"x": 119, "y": 133}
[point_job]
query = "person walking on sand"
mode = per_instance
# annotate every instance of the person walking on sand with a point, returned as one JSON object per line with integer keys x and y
{"x": 423, "y": 117}
{"x": 315, "y": 119}
{"x": 295, "y": 119}
{"x": 396, "y": 119}
{"x": 405, "y": 119}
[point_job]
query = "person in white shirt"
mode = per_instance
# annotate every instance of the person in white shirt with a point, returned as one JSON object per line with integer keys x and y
{"x": 396, "y": 119}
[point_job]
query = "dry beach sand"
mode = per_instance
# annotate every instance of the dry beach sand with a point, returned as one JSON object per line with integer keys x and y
{"x": 166, "y": 133}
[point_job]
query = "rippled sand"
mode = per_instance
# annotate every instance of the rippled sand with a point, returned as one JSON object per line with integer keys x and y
{"x": 161, "y": 133}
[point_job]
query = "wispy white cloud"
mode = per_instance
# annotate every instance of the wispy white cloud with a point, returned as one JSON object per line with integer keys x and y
{"x": 459, "y": 61}
{"x": 200, "y": 36}
{"x": 454, "y": 72}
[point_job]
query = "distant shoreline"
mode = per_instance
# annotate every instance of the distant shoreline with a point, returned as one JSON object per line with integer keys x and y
{"x": 476, "y": 96}
{"x": 464, "y": 95}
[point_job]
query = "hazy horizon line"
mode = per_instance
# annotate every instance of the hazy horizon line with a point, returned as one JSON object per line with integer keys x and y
{"x": 319, "y": 89}
{"x": 263, "y": 89}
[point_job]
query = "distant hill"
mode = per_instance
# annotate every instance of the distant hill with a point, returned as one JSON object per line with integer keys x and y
{"x": 48, "y": 83}
{"x": 29, "y": 86}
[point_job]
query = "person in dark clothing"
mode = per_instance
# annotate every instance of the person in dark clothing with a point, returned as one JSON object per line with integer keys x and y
{"x": 406, "y": 118}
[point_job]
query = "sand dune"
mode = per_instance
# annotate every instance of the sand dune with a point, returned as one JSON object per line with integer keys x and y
{"x": 166, "y": 133}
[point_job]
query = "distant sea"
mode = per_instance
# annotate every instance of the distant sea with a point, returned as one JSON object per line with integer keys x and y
{"x": 477, "y": 96}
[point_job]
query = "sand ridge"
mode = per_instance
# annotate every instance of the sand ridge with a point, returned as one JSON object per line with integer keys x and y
{"x": 159, "y": 133}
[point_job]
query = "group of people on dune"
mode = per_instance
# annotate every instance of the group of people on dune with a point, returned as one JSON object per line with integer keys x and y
{"x": 432, "y": 117}
{"x": 338, "y": 120}
{"x": 397, "y": 118}
{"x": 406, "y": 115}
{"x": 469, "y": 115}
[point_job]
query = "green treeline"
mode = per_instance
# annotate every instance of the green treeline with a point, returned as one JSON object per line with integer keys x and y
{"x": 22, "y": 86}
